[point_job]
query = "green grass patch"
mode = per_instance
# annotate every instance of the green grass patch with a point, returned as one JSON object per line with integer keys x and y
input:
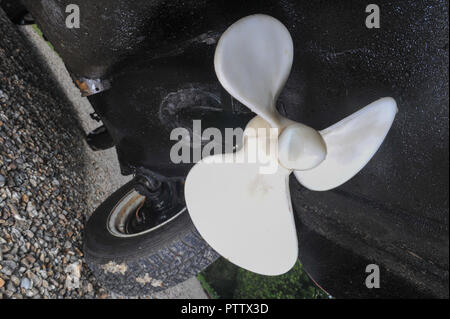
{"x": 229, "y": 281}
{"x": 208, "y": 289}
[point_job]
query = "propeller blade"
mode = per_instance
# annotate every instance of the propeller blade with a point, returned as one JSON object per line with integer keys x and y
{"x": 351, "y": 143}
{"x": 253, "y": 60}
{"x": 246, "y": 216}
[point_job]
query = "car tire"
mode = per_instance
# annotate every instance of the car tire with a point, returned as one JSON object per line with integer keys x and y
{"x": 145, "y": 263}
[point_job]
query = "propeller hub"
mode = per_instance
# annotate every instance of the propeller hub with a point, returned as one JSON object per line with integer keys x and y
{"x": 301, "y": 147}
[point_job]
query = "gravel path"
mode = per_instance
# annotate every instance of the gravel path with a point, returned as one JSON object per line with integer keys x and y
{"x": 49, "y": 179}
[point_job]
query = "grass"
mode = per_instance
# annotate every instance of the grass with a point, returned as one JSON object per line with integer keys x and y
{"x": 224, "y": 280}
{"x": 208, "y": 289}
{"x": 36, "y": 28}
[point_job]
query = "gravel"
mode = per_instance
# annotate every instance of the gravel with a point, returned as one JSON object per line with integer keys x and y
{"x": 43, "y": 194}
{"x": 49, "y": 180}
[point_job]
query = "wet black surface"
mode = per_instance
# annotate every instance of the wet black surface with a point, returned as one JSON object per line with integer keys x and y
{"x": 394, "y": 212}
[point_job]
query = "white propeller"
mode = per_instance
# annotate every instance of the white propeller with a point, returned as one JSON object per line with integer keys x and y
{"x": 243, "y": 212}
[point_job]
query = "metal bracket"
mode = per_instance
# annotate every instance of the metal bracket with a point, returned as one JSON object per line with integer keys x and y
{"x": 92, "y": 86}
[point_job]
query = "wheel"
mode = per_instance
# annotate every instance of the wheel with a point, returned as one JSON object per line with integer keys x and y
{"x": 132, "y": 259}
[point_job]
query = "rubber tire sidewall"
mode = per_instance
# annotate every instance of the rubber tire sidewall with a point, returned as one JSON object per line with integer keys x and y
{"x": 147, "y": 263}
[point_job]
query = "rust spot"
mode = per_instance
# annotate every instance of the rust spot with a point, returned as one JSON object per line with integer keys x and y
{"x": 82, "y": 86}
